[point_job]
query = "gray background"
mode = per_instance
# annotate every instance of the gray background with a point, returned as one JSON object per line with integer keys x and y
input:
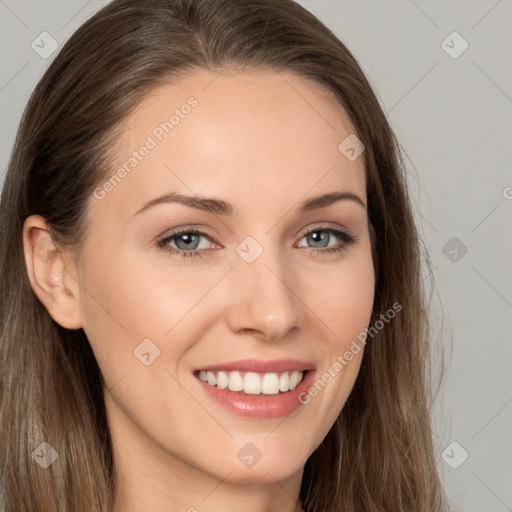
{"x": 453, "y": 118}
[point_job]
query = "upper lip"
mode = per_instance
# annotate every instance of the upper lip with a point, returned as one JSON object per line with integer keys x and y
{"x": 260, "y": 366}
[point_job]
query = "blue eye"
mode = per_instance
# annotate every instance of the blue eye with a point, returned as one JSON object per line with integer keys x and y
{"x": 321, "y": 236}
{"x": 187, "y": 242}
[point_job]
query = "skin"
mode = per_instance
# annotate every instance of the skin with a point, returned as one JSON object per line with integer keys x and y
{"x": 263, "y": 142}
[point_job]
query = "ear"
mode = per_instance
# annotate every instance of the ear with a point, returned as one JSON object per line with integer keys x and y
{"x": 52, "y": 273}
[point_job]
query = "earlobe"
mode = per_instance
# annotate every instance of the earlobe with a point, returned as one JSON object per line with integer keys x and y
{"x": 50, "y": 273}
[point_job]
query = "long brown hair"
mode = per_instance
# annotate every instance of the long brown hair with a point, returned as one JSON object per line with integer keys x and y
{"x": 379, "y": 454}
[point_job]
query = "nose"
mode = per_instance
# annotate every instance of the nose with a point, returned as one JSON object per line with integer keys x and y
{"x": 263, "y": 296}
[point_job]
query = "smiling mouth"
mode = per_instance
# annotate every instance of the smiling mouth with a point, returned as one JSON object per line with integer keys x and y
{"x": 252, "y": 383}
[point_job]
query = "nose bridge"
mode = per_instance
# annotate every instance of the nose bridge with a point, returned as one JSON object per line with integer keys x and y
{"x": 262, "y": 290}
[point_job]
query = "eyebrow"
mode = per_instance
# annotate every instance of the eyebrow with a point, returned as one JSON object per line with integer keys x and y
{"x": 218, "y": 206}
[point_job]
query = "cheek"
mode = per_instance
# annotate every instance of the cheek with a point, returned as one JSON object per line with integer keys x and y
{"x": 342, "y": 296}
{"x": 129, "y": 302}
{"x": 344, "y": 304}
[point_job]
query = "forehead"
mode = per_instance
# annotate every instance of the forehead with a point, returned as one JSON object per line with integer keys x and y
{"x": 258, "y": 135}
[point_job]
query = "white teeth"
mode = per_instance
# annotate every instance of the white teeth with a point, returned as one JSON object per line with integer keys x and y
{"x": 284, "y": 382}
{"x": 222, "y": 380}
{"x": 253, "y": 383}
{"x": 236, "y": 383}
{"x": 270, "y": 384}
{"x": 294, "y": 380}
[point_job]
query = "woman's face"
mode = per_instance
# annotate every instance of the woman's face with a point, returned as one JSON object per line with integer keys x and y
{"x": 255, "y": 293}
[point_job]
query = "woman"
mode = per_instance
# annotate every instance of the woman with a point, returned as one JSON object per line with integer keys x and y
{"x": 211, "y": 289}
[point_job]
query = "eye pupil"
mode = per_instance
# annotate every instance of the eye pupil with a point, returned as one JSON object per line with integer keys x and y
{"x": 317, "y": 237}
{"x": 189, "y": 239}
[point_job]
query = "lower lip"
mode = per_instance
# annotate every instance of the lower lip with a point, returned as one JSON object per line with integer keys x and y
{"x": 260, "y": 406}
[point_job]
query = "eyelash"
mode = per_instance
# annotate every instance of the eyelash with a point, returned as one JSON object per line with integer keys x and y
{"x": 347, "y": 239}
